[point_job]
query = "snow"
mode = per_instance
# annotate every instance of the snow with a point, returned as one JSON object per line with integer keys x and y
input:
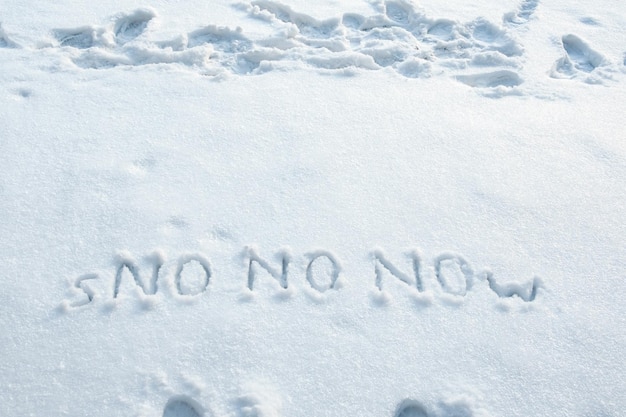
{"x": 289, "y": 208}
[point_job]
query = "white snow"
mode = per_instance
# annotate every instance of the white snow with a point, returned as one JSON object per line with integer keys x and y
{"x": 289, "y": 208}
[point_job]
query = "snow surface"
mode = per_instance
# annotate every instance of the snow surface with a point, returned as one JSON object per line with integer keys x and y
{"x": 290, "y": 208}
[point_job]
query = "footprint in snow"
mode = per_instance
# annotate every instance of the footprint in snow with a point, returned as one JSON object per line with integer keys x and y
{"x": 524, "y": 13}
{"x": 182, "y": 407}
{"x": 580, "y": 54}
{"x": 579, "y": 59}
{"x": 80, "y": 38}
{"x": 130, "y": 26}
{"x": 502, "y": 78}
{"x": 398, "y": 12}
{"x": 410, "y": 408}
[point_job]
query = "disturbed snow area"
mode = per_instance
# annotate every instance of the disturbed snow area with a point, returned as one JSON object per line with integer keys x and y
{"x": 287, "y": 208}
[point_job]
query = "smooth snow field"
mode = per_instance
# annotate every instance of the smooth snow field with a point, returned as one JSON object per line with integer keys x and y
{"x": 313, "y": 209}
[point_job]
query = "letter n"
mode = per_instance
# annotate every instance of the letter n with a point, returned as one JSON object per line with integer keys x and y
{"x": 125, "y": 261}
{"x": 278, "y": 275}
{"x": 380, "y": 262}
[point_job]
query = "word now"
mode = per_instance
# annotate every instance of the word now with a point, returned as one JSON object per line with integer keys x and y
{"x": 446, "y": 267}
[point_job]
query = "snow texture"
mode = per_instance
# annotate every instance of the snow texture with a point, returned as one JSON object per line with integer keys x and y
{"x": 286, "y": 208}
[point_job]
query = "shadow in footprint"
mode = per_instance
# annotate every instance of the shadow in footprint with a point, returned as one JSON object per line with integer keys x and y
{"x": 130, "y": 26}
{"x": 182, "y": 406}
{"x": 527, "y": 8}
{"x": 589, "y": 21}
{"x": 442, "y": 29}
{"x": 501, "y": 78}
{"x": 410, "y": 408}
{"x": 80, "y": 38}
{"x": 352, "y": 20}
{"x": 397, "y": 11}
{"x": 578, "y": 61}
{"x": 5, "y": 42}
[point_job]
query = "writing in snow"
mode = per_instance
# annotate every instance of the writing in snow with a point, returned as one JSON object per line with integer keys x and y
{"x": 452, "y": 274}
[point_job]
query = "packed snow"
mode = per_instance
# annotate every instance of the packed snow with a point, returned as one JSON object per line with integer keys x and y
{"x": 280, "y": 208}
